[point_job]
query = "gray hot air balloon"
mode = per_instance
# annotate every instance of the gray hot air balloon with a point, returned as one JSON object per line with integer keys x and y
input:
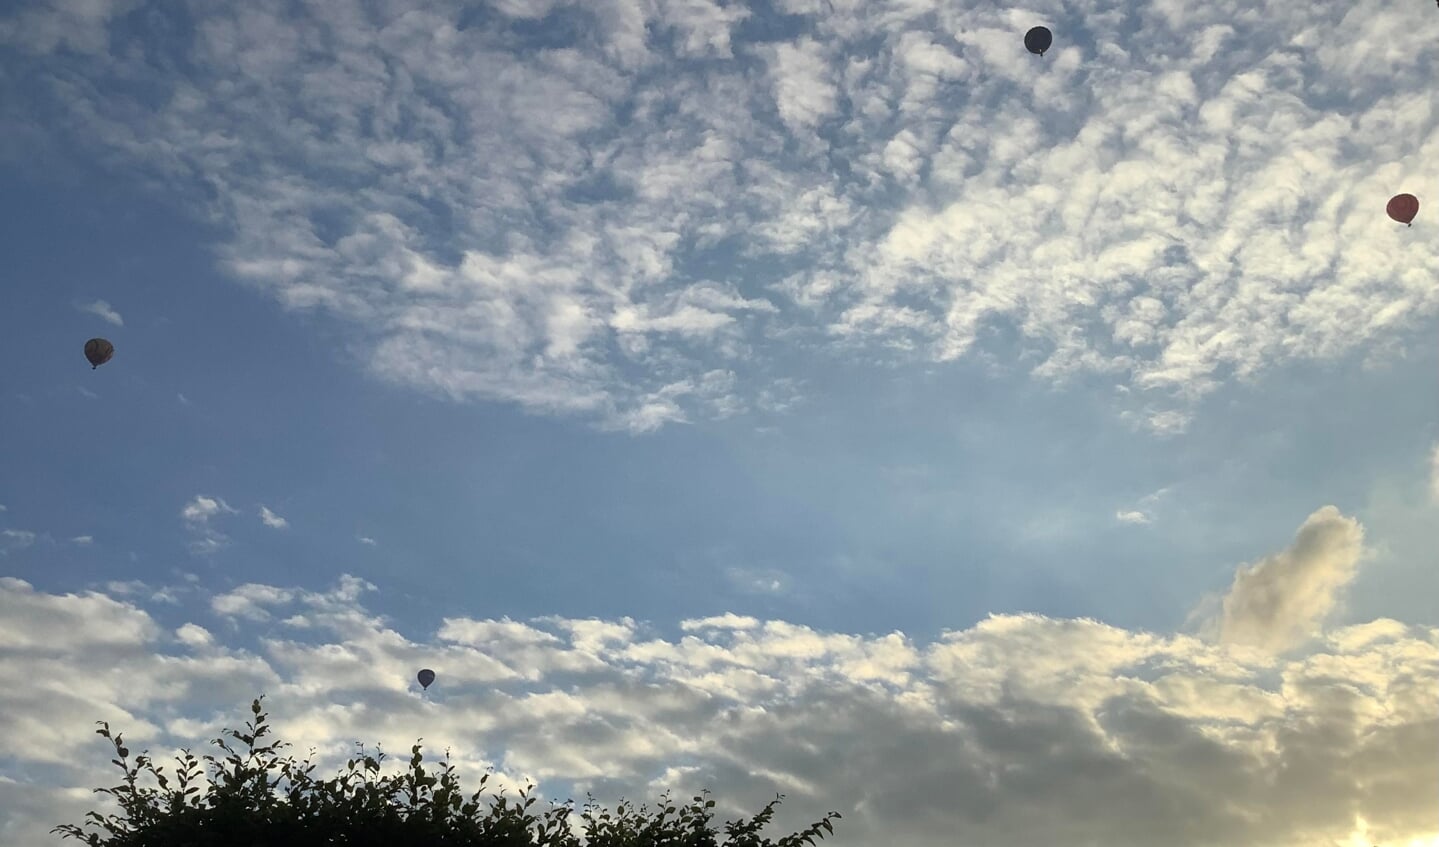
{"x": 425, "y": 677}
{"x": 1038, "y": 39}
{"x": 98, "y": 351}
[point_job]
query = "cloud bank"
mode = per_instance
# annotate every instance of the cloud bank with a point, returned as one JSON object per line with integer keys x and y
{"x": 1020, "y": 729}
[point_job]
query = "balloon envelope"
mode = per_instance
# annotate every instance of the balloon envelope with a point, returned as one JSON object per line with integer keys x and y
{"x": 98, "y": 351}
{"x": 1037, "y": 40}
{"x": 425, "y": 677}
{"x": 1403, "y": 207}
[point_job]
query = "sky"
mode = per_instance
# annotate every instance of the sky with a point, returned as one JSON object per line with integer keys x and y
{"x": 817, "y": 397}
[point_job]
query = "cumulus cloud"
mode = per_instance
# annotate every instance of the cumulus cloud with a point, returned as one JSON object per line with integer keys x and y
{"x": 1020, "y": 729}
{"x": 102, "y": 310}
{"x": 554, "y": 239}
{"x": 193, "y": 635}
{"x": 271, "y": 519}
{"x": 366, "y": 540}
{"x": 1132, "y": 516}
{"x": 1281, "y": 600}
{"x": 83, "y": 540}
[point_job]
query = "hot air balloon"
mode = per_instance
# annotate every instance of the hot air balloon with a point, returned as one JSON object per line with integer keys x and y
{"x": 1037, "y": 40}
{"x": 425, "y": 677}
{"x": 98, "y": 351}
{"x": 1403, "y": 208}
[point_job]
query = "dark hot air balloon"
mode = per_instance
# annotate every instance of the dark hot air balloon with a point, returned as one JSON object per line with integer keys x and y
{"x": 1403, "y": 208}
{"x": 1037, "y": 40}
{"x": 425, "y": 677}
{"x": 98, "y": 351}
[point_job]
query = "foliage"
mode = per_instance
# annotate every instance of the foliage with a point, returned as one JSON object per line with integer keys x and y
{"x": 254, "y": 797}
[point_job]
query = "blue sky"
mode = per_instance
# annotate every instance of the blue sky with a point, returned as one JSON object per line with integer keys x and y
{"x": 846, "y": 319}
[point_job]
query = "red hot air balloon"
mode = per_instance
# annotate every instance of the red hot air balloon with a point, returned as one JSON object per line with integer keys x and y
{"x": 425, "y": 677}
{"x": 98, "y": 351}
{"x": 1403, "y": 208}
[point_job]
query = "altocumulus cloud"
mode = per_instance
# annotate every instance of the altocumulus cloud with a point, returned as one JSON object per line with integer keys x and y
{"x": 1020, "y": 729}
{"x": 1177, "y": 196}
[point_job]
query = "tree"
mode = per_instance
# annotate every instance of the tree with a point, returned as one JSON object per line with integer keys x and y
{"x": 254, "y": 797}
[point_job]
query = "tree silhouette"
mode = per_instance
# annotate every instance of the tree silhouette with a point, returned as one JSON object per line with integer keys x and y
{"x": 254, "y": 797}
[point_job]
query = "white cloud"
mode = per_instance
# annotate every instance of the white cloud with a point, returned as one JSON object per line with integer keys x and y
{"x": 197, "y": 515}
{"x": 250, "y": 601}
{"x": 1020, "y": 729}
{"x": 202, "y": 508}
{"x": 271, "y": 519}
{"x": 52, "y": 623}
{"x": 1280, "y": 601}
{"x": 102, "y": 310}
{"x": 729, "y": 620}
{"x": 1131, "y": 517}
{"x": 192, "y": 635}
{"x": 803, "y": 89}
{"x": 83, "y": 540}
{"x": 365, "y": 539}
{"x": 125, "y": 588}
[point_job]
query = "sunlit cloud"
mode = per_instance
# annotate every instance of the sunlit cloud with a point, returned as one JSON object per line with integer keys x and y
{"x": 932, "y": 743}
{"x": 1281, "y": 600}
